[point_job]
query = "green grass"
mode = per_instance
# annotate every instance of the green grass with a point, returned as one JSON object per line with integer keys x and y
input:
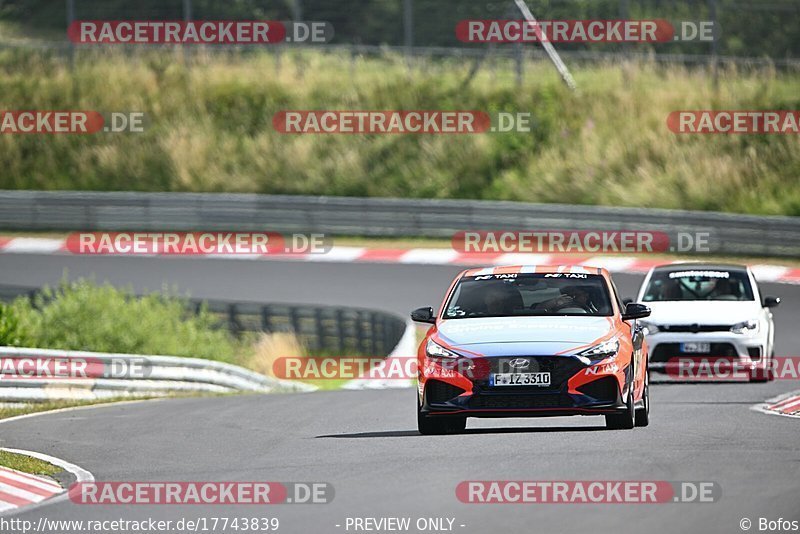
{"x": 26, "y": 464}
{"x": 209, "y": 129}
{"x": 83, "y": 315}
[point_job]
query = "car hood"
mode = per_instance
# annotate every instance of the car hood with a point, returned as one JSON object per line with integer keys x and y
{"x": 702, "y": 312}
{"x": 517, "y": 336}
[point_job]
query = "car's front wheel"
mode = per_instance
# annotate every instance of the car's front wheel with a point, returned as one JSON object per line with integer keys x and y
{"x": 624, "y": 420}
{"x": 643, "y": 413}
{"x": 441, "y": 424}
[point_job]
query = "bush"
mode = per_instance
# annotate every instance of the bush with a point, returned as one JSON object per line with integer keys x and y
{"x": 11, "y": 332}
{"x": 82, "y": 315}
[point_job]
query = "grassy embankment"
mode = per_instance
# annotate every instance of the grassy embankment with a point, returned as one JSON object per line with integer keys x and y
{"x": 209, "y": 129}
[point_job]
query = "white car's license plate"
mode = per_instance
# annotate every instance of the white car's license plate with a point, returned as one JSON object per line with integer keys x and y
{"x": 519, "y": 379}
{"x": 690, "y": 348}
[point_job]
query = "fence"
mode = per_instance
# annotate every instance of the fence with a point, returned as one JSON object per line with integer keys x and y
{"x": 70, "y": 210}
{"x": 748, "y": 31}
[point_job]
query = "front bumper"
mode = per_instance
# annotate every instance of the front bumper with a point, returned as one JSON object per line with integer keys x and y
{"x": 576, "y": 389}
{"x": 746, "y": 352}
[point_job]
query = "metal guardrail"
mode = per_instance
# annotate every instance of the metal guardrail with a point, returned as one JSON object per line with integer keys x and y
{"x": 321, "y": 329}
{"x": 72, "y": 210}
{"x": 153, "y": 376}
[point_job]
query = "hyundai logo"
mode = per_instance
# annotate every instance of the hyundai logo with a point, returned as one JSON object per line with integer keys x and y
{"x": 519, "y": 363}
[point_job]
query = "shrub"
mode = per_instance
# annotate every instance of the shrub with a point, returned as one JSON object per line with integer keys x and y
{"x": 82, "y": 315}
{"x": 11, "y": 332}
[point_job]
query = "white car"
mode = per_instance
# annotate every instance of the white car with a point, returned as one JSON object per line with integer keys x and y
{"x": 706, "y": 312}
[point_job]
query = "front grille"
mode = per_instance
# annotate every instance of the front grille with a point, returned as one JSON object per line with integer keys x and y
{"x": 520, "y": 402}
{"x": 438, "y": 392}
{"x": 695, "y": 328}
{"x": 602, "y": 389}
{"x": 561, "y": 369}
{"x": 667, "y": 351}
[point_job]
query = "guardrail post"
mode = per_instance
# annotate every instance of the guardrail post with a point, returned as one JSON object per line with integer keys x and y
{"x": 714, "y": 46}
{"x": 320, "y": 329}
{"x": 341, "y": 332}
{"x": 70, "y": 20}
{"x": 408, "y": 29}
{"x": 361, "y": 340}
{"x": 294, "y": 317}
{"x": 266, "y": 319}
{"x": 373, "y": 329}
{"x": 233, "y": 320}
{"x": 187, "y": 17}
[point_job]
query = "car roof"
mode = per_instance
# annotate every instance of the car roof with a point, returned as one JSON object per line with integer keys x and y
{"x": 671, "y": 267}
{"x": 538, "y": 269}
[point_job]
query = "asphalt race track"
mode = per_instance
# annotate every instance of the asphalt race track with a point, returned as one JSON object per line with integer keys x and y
{"x": 365, "y": 442}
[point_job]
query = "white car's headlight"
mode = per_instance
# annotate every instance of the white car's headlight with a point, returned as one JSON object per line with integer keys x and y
{"x": 434, "y": 350}
{"x": 746, "y": 327}
{"x": 601, "y": 351}
{"x": 649, "y": 328}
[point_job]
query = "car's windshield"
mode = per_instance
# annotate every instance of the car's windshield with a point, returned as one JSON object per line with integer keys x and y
{"x": 511, "y": 295}
{"x": 698, "y": 284}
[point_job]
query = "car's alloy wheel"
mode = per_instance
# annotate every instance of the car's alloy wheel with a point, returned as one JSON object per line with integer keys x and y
{"x": 625, "y": 420}
{"x": 442, "y": 424}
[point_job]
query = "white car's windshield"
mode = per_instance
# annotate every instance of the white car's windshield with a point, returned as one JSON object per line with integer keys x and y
{"x": 698, "y": 284}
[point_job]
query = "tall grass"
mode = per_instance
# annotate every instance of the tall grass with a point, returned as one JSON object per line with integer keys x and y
{"x": 209, "y": 129}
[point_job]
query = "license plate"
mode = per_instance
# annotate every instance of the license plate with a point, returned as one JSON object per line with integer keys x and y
{"x": 519, "y": 379}
{"x": 690, "y": 348}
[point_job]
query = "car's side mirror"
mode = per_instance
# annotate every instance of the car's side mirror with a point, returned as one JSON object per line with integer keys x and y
{"x": 771, "y": 302}
{"x": 635, "y": 310}
{"x": 423, "y": 315}
{"x": 627, "y": 301}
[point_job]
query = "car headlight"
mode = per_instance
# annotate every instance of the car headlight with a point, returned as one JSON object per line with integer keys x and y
{"x": 649, "y": 328}
{"x": 606, "y": 349}
{"x": 434, "y": 350}
{"x": 745, "y": 327}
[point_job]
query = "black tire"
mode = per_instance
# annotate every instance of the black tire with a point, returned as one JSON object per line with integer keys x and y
{"x": 624, "y": 420}
{"x": 439, "y": 424}
{"x": 642, "y": 417}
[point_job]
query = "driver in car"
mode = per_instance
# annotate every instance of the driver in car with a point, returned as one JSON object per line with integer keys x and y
{"x": 571, "y": 297}
{"x": 582, "y": 298}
